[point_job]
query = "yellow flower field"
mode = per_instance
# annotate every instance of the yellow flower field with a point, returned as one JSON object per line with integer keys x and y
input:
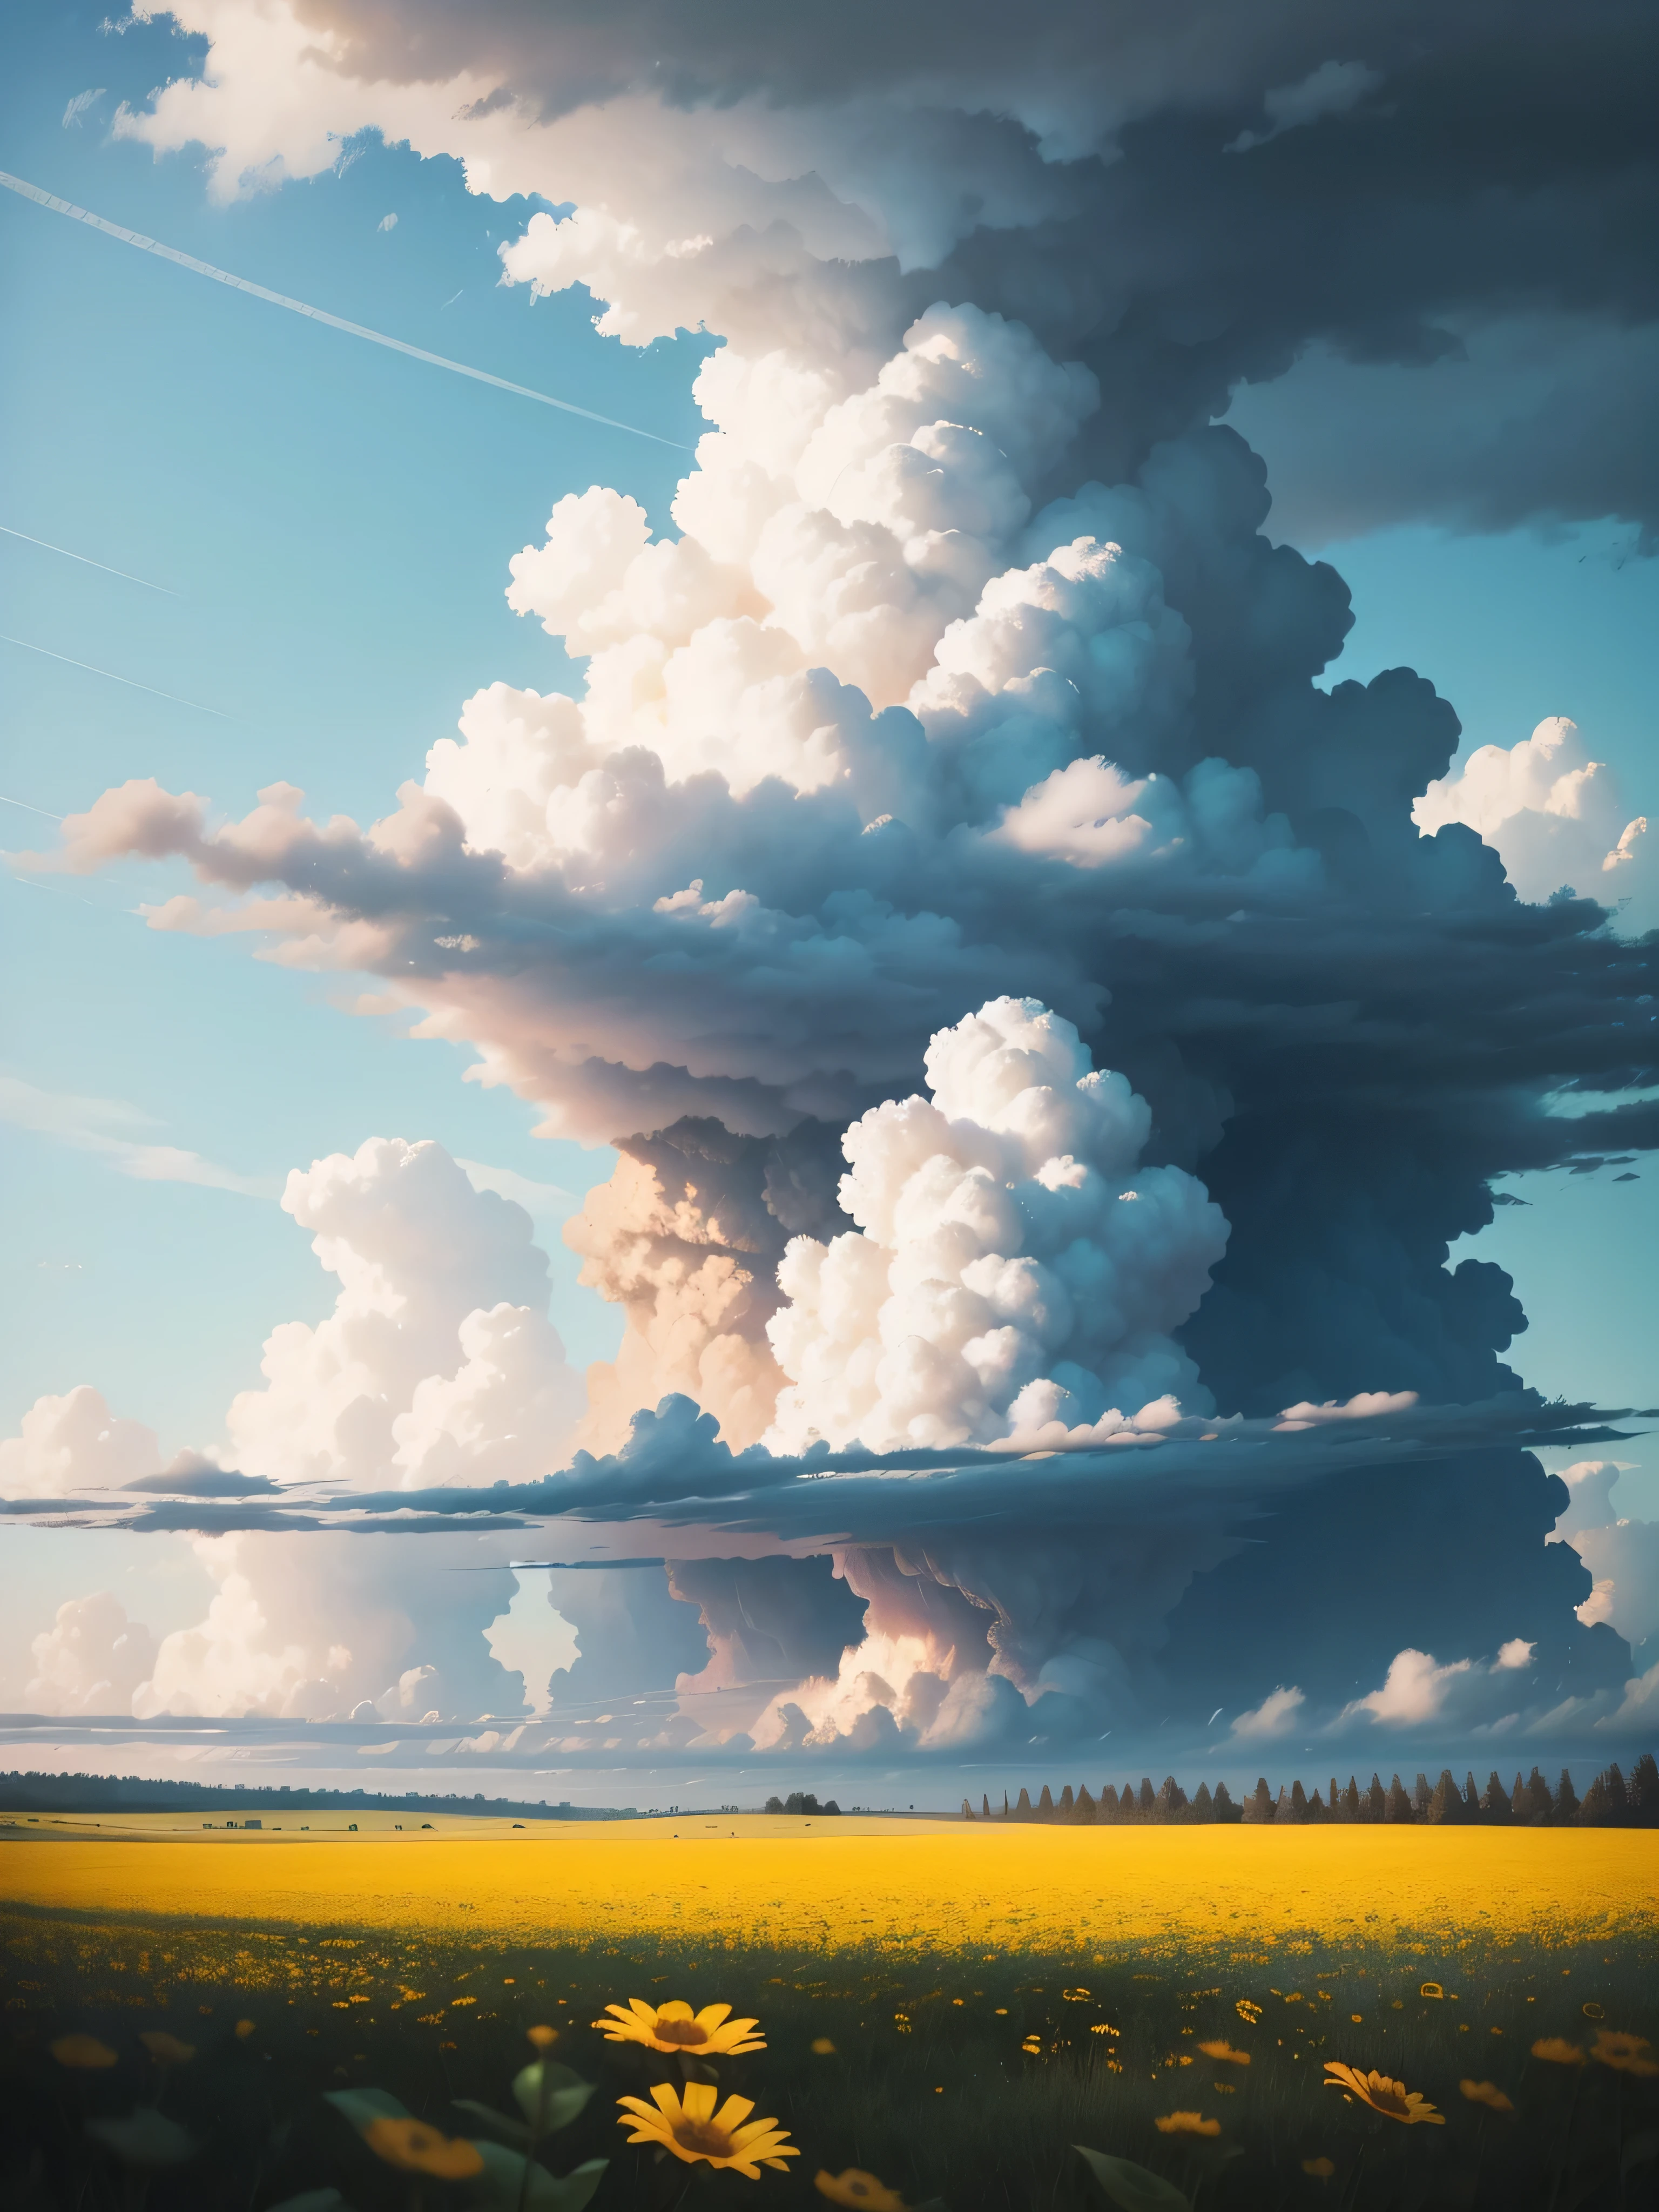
{"x": 887, "y": 1885}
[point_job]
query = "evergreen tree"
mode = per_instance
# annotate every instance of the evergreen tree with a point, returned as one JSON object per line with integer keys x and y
{"x": 1399, "y": 1805}
{"x": 1334, "y": 1801}
{"x": 1352, "y": 1805}
{"x": 1445, "y": 1805}
{"x": 1471, "y": 1799}
{"x": 1520, "y": 1802}
{"x": 1085, "y": 1807}
{"x": 1496, "y": 1802}
{"x": 1259, "y": 1804}
{"x": 1022, "y": 1809}
{"x": 1107, "y": 1803}
{"x": 1066, "y": 1802}
{"x": 1223, "y": 1803}
{"x": 1148, "y": 1794}
{"x": 1421, "y": 1794}
{"x": 1376, "y": 1801}
{"x": 1316, "y": 1810}
{"x": 1045, "y": 1805}
{"x": 1298, "y": 1807}
{"x": 1171, "y": 1797}
{"x": 1643, "y": 1795}
{"x": 1540, "y": 1803}
{"x": 1566, "y": 1798}
{"x": 1618, "y": 1797}
{"x": 1593, "y": 1813}
{"x": 1203, "y": 1804}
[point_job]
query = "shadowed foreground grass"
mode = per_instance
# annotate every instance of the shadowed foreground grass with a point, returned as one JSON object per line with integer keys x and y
{"x": 986, "y": 2008}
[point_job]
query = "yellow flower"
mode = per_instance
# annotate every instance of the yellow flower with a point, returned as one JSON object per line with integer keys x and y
{"x": 856, "y": 2187}
{"x": 1432, "y": 1989}
{"x": 1556, "y": 2050}
{"x": 84, "y": 2052}
{"x": 244, "y": 2029}
{"x": 674, "y": 2027}
{"x": 1225, "y": 2054}
{"x": 418, "y": 2149}
{"x": 1248, "y": 2011}
{"x": 1486, "y": 2092}
{"x": 1626, "y": 2054}
{"x": 1391, "y": 2098}
{"x": 1320, "y": 2168}
{"x": 821, "y": 2047}
{"x": 694, "y": 2130}
{"x": 166, "y": 2049}
{"x": 1186, "y": 2123}
{"x": 544, "y": 2038}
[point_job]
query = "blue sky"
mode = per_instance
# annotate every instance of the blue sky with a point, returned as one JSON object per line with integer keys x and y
{"x": 332, "y": 523}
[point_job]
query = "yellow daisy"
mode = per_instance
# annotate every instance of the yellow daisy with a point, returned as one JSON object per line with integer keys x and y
{"x": 1486, "y": 2092}
{"x": 166, "y": 2049}
{"x": 418, "y": 2149}
{"x": 675, "y": 2027}
{"x": 1391, "y": 2098}
{"x": 1556, "y": 2050}
{"x": 694, "y": 2131}
{"x": 856, "y": 2187}
{"x": 1186, "y": 2123}
{"x": 1224, "y": 2054}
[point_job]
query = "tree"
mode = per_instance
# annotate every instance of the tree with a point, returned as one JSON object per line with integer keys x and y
{"x": 831, "y": 1810}
{"x": 1471, "y": 1798}
{"x": 1108, "y": 1803}
{"x": 1421, "y": 1794}
{"x": 1203, "y": 1804}
{"x": 1446, "y": 1804}
{"x": 1399, "y": 1805}
{"x": 1593, "y": 1813}
{"x": 1084, "y": 1809}
{"x": 1171, "y": 1797}
{"x": 1643, "y": 1795}
{"x": 1148, "y": 1794}
{"x": 1540, "y": 1803}
{"x": 1022, "y": 1810}
{"x": 1225, "y": 1807}
{"x": 1316, "y": 1810}
{"x": 1520, "y": 1803}
{"x": 1566, "y": 1798}
{"x": 1298, "y": 1807}
{"x": 1066, "y": 1803}
{"x": 1496, "y": 1803}
{"x": 1045, "y": 1810}
{"x": 1618, "y": 1797}
{"x": 1352, "y": 1806}
{"x": 1376, "y": 1801}
{"x": 774, "y": 1804}
{"x": 1259, "y": 1805}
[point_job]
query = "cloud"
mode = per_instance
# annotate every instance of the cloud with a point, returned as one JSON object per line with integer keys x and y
{"x": 93, "y": 1124}
{"x": 1415, "y": 1691}
{"x": 1331, "y": 90}
{"x": 91, "y": 1660}
{"x": 79, "y": 106}
{"x": 74, "y": 1442}
{"x": 1554, "y": 817}
{"x": 387, "y": 222}
{"x": 1274, "y": 1716}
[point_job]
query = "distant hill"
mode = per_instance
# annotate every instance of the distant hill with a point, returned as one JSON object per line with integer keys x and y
{"x": 132, "y": 1793}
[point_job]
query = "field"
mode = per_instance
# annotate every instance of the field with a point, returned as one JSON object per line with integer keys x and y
{"x": 947, "y": 2007}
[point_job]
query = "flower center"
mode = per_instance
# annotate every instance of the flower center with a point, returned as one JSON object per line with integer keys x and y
{"x": 701, "y": 2136}
{"x": 681, "y": 2030}
{"x": 1389, "y": 2101}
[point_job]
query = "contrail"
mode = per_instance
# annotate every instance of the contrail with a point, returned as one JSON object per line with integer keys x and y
{"x": 28, "y": 809}
{"x": 317, "y": 315}
{"x": 132, "y": 685}
{"x": 87, "y": 558}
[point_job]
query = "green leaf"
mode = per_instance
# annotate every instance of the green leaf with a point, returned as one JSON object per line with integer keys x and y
{"x": 145, "y": 2138}
{"x": 363, "y": 2107}
{"x": 1132, "y": 2186}
{"x": 500, "y": 2127}
{"x": 551, "y": 2095}
{"x": 497, "y": 2188}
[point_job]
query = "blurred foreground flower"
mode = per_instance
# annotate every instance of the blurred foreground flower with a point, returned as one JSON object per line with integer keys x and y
{"x": 1320, "y": 2168}
{"x": 1225, "y": 2054}
{"x": 166, "y": 2049}
{"x": 821, "y": 2047}
{"x": 853, "y": 2186}
{"x": 543, "y": 2038}
{"x": 244, "y": 2029}
{"x": 85, "y": 2052}
{"x": 674, "y": 2027}
{"x": 418, "y": 2149}
{"x": 1391, "y": 2098}
{"x": 1186, "y": 2123}
{"x": 1486, "y": 2092}
{"x": 1625, "y": 2054}
{"x": 694, "y": 2130}
{"x": 1556, "y": 2050}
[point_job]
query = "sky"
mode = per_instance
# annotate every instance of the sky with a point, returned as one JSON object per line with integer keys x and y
{"x": 313, "y": 536}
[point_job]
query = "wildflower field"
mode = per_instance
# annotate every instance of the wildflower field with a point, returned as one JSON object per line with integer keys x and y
{"x": 771, "y": 2011}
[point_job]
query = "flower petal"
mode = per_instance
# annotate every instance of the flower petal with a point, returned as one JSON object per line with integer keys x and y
{"x": 699, "y": 2101}
{"x": 711, "y": 2015}
{"x": 734, "y": 2111}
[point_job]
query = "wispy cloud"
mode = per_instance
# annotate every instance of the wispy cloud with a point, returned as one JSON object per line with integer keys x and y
{"x": 78, "y": 106}
{"x": 100, "y": 1126}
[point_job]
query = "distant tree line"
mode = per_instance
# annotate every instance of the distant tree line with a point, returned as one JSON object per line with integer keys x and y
{"x": 132, "y": 1793}
{"x": 1611, "y": 1801}
{"x": 801, "y": 1801}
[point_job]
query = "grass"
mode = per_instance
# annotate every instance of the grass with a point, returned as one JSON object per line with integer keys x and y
{"x": 993, "y": 1997}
